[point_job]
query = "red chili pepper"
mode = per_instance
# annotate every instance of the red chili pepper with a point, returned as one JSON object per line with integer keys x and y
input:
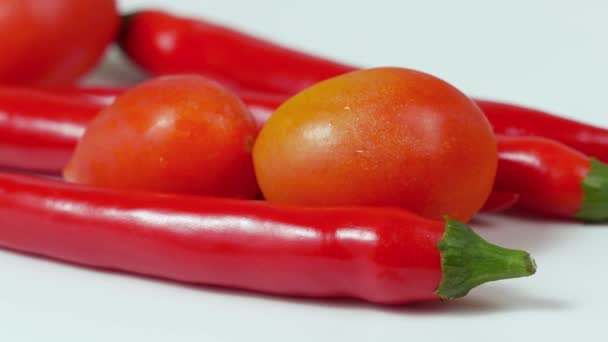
{"x": 500, "y": 201}
{"x": 163, "y": 44}
{"x": 514, "y": 120}
{"x": 382, "y": 255}
{"x": 101, "y": 95}
{"x": 552, "y": 178}
{"x": 39, "y": 131}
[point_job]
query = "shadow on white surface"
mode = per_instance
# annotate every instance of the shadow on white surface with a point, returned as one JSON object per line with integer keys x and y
{"x": 488, "y": 299}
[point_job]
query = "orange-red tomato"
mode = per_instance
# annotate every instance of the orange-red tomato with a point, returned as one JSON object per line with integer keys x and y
{"x": 53, "y": 41}
{"x": 184, "y": 134}
{"x": 383, "y": 136}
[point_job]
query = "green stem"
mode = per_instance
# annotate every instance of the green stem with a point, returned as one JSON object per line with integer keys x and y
{"x": 468, "y": 261}
{"x": 595, "y": 193}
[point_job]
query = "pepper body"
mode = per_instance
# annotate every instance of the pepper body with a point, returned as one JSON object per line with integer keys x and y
{"x": 380, "y": 255}
{"x": 167, "y": 44}
{"x": 511, "y": 120}
{"x": 39, "y": 131}
{"x": 546, "y": 174}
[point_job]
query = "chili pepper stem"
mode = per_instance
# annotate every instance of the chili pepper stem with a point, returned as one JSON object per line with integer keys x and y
{"x": 468, "y": 261}
{"x": 595, "y": 193}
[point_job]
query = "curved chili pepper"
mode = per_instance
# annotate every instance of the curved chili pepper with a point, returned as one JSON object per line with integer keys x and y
{"x": 166, "y": 44}
{"x": 381, "y": 255}
{"x": 552, "y": 178}
{"x": 511, "y": 120}
{"x": 163, "y": 44}
{"x": 39, "y": 131}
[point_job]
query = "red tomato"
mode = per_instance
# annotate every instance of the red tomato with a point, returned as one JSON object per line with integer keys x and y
{"x": 53, "y": 41}
{"x": 384, "y": 136}
{"x": 183, "y": 134}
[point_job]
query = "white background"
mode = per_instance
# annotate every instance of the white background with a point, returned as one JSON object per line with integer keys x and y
{"x": 547, "y": 54}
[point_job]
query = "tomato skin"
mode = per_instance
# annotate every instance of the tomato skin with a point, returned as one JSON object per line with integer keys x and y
{"x": 383, "y": 136}
{"x": 182, "y": 134}
{"x": 53, "y": 42}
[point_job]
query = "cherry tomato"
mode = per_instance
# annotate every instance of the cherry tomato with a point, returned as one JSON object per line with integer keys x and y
{"x": 384, "y": 136}
{"x": 184, "y": 134}
{"x": 53, "y": 41}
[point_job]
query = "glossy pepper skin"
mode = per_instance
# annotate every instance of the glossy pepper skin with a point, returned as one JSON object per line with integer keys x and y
{"x": 511, "y": 120}
{"x": 381, "y": 255}
{"x": 38, "y": 130}
{"x": 552, "y": 178}
{"x": 165, "y": 44}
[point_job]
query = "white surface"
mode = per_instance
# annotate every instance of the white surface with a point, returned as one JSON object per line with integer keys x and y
{"x": 550, "y": 54}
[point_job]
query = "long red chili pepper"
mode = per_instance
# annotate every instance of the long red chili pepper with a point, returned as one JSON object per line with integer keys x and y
{"x": 39, "y": 131}
{"x": 514, "y": 120}
{"x": 552, "y": 178}
{"x": 163, "y": 44}
{"x": 380, "y": 255}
